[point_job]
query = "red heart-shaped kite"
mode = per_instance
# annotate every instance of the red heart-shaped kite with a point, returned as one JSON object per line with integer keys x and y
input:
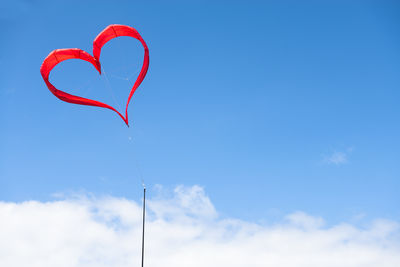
{"x": 106, "y": 35}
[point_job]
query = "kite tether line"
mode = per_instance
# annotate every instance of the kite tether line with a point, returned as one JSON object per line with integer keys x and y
{"x": 108, "y": 85}
{"x": 144, "y": 214}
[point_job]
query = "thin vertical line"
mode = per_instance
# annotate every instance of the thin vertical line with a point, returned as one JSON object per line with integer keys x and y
{"x": 144, "y": 214}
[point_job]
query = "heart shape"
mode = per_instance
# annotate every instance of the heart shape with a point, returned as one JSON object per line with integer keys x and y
{"x": 59, "y": 55}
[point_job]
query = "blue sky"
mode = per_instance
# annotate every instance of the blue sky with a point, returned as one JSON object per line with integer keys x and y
{"x": 272, "y": 107}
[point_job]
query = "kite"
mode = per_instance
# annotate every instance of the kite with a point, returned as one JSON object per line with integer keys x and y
{"x": 59, "y": 55}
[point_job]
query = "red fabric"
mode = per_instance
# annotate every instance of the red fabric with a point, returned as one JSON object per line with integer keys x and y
{"x": 59, "y": 55}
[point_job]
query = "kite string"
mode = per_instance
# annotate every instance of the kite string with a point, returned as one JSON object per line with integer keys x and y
{"x": 144, "y": 220}
{"x": 127, "y": 78}
{"x": 108, "y": 85}
{"x": 126, "y": 74}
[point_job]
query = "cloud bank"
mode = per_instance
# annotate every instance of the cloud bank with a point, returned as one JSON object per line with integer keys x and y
{"x": 183, "y": 229}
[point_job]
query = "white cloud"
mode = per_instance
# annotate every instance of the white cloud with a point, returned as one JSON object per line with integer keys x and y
{"x": 304, "y": 220}
{"x": 182, "y": 230}
{"x": 339, "y": 158}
